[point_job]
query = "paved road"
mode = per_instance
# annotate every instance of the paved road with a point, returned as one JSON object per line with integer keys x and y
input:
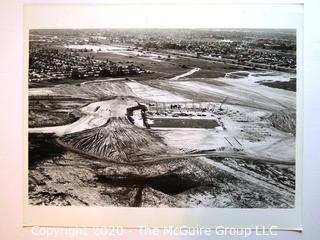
{"x": 192, "y": 71}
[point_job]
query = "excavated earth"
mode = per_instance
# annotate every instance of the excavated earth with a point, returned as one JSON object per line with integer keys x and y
{"x": 102, "y": 159}
{"x": 70, "y": 178}
{"x": 98, "y": 167}
{"x": 118, "y": 140}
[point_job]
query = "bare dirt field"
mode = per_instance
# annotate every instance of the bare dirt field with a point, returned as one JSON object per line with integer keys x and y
{"x": 218, "y": 138}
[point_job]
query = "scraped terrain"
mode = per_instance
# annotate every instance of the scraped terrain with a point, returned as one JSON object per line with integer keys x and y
{"x": 96, "y": 154}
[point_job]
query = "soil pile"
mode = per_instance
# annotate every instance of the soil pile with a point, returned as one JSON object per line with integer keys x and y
{"x": 284, "y": 121}
{"x": 118, "y": 140}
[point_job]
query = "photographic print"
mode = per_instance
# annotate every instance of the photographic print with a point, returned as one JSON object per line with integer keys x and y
{"x": 178, "y": 118}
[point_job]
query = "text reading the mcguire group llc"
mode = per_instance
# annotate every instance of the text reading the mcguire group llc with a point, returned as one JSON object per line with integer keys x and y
{"x": 104, "y": 231}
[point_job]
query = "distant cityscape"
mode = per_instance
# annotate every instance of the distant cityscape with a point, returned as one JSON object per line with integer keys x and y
{"x": 57, "y": 62}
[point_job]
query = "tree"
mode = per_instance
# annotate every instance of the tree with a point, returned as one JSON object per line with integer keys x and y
{"x": 75, "y": 73}
{"x": 105, "y": 73}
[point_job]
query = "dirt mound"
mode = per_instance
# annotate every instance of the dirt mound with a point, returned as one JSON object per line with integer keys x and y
{"x": 284, "y": 121}
{"x": 290, "y": 85}
{"x": 96, "y": 90}
{"x": 118, "y": 140}
{"x": 237, "y": 75}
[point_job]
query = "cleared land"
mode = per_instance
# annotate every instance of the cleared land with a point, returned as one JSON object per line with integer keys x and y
{"x": 98, "y": 157}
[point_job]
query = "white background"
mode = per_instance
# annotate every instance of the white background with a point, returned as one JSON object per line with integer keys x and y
{"x": 11, "y": 77}
{"x": 157, "y": 15}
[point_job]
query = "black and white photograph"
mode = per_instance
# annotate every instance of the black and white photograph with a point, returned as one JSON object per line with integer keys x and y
{"x": 160, "y": 119}
{"x": 180, "y": 119}
{"x": 149, "y": 118}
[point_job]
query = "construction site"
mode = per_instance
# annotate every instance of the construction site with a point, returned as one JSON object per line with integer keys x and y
{"x": 178, "y": 141}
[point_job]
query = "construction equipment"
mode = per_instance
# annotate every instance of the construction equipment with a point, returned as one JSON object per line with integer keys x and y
{"x": 143, "y": 109}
